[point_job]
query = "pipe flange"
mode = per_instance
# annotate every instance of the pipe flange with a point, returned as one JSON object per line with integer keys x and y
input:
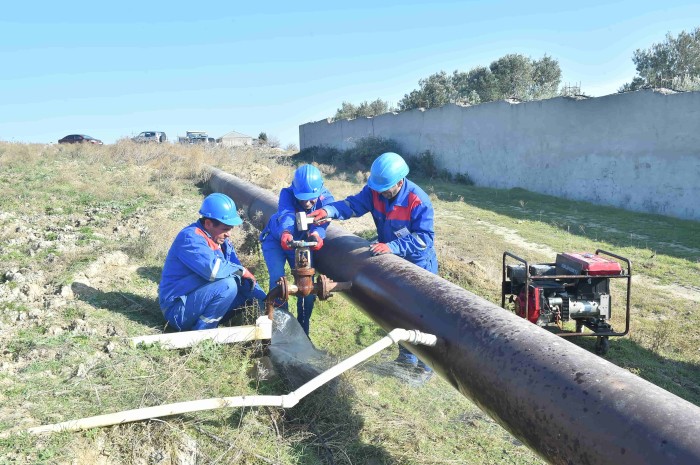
{"x": 323, "y": 287}
{"x": 284, "y": 289}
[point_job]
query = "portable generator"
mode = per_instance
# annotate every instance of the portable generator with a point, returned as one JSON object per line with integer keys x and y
{"x": 576, "y": 287}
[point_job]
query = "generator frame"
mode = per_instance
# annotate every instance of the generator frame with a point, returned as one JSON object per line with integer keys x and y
{"x": 602, "y": 343}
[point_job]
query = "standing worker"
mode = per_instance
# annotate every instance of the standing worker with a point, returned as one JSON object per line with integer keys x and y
{"x": 203, "y": 281}
{"x": 403, "y": 215}
{"x": 306, "y": 194}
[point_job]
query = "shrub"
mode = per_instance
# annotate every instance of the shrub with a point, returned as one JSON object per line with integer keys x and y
{"x": 426, "y": 165}
{"x": 358, "y": 159}
{"x": 369, "y": 148}
{"x": 463, "y": 178}
{"x": 318, "y": 154}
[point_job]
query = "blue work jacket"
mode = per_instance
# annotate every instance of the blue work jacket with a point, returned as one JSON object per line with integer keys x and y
{"x": 195, "y": 259}
{"x": 284, "y": 219}
{"x": 404, "y": 223}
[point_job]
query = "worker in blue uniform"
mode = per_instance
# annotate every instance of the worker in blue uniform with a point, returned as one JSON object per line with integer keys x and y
{"x": 403, "y": 215}
{"x": 203, "y": 281}
{"x": 306, "y": 194}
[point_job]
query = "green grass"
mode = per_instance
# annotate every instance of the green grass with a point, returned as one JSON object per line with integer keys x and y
{"x": 56, "y": 367}
{"x": 666, "y": 248}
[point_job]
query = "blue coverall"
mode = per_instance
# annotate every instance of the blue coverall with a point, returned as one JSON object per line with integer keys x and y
{"x": 404, "y": 223}
{"x": 276, "y": 257}
{"x": 201, "y": 284}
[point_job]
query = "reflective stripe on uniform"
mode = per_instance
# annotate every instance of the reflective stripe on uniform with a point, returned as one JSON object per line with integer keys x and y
{"x": 215, "y": 270}
{"x": 420, "y": 241}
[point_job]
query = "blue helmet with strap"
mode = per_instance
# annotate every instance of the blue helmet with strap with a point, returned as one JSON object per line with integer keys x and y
{"x": 307, "y": 183}
{"x": 388, "y": 169}
{"x": 220, "y": 207}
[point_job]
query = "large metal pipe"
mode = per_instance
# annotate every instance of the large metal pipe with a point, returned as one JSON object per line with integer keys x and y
{"x": 566, "y": 404}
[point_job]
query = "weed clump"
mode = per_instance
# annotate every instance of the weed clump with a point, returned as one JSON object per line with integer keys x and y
{"x": 355, "y": 162}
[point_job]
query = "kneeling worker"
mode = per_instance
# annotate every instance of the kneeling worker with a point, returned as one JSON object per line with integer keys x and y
{"x": 203, "y": 281}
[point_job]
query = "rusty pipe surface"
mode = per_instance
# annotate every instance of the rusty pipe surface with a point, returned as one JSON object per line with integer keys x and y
{"x": 565, "y": 403}
{"x": 257, "y": 203}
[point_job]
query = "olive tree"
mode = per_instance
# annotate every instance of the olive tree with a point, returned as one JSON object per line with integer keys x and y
{"x": 349, "y": 111}
{"x": 434, "y": 91}
{"x": 673, "y": 63}
{"x": 511, "y": 76}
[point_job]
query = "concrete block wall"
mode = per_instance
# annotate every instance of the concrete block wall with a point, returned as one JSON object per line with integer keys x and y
{"x": 639, "y": 151}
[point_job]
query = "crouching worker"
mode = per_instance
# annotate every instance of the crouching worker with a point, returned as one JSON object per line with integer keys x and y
{"x": 203, "y": 282}
{"x": 306, "y": 194}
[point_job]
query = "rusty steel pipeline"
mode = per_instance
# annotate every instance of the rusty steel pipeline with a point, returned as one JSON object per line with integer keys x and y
{"x": 565, "y": 403}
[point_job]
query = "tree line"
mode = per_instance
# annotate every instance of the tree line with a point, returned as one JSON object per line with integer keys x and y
{"x": 673, "y": 63}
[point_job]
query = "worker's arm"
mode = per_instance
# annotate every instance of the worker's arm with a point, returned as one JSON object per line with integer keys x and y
{"x": 286, "y": 209}
{"x": 351, "y": 206}
{"x": 419, "y": 235}
{"x": 196, "y": 255}
{"x": 326, "y": 198}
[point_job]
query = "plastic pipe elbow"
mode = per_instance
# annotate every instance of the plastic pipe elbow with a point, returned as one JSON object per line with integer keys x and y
{"x": 289, "y": 400}
{"x": 412, "y": 336}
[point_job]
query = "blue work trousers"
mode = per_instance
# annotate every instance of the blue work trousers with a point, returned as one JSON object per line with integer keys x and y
{"x": 212, "y": 304}
{"x": 275, "y": 259}
{"x": 405, "y": 355}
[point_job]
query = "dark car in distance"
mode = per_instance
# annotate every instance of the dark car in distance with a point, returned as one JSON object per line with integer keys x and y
{"x": 78, "y": 139}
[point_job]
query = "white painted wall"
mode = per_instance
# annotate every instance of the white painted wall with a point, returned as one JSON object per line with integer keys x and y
{"x": 236, "y": 141}
{"x": 639, "y": 151}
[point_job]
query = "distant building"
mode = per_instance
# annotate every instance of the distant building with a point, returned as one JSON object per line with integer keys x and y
{"x": 235, "y": 139}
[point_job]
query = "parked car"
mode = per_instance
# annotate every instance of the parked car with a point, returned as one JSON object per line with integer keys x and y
{"x": 79, "y": 139}
{"x": 196, "y": 137}
{"x": 150, "y": 136}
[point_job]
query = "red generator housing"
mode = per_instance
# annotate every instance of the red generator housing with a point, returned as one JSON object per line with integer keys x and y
{"x": 575, "y": 287}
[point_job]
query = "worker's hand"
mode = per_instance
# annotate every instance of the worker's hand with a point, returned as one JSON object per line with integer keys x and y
{"x": 286, "y": 239}
{"x": 248, "y": 275}
{"x": 379, "y": 248}
{"x": 314, "y": 236}
{"x": 320, "y": 216}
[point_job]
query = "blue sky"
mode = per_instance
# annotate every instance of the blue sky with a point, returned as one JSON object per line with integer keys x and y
{"x": 115, "y": 69}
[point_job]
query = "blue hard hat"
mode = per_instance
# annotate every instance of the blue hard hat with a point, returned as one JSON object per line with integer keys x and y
{"x": 307, "y": 183}
{"x": 220, "y": 207}
{"x": 388, "y": 169}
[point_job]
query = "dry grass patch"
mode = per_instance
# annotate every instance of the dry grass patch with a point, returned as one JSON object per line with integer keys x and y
{"x": 70, "y": 303}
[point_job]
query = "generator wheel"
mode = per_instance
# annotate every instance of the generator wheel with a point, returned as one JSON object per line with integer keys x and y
{"x": 602, "y": 344}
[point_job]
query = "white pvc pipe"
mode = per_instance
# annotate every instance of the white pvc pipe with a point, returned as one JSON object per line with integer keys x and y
{"x": 128, "y": 416}
{"x": 224, "y": 335}
{"x": 285, "y": 401}
{"x": 396, "y": 335}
